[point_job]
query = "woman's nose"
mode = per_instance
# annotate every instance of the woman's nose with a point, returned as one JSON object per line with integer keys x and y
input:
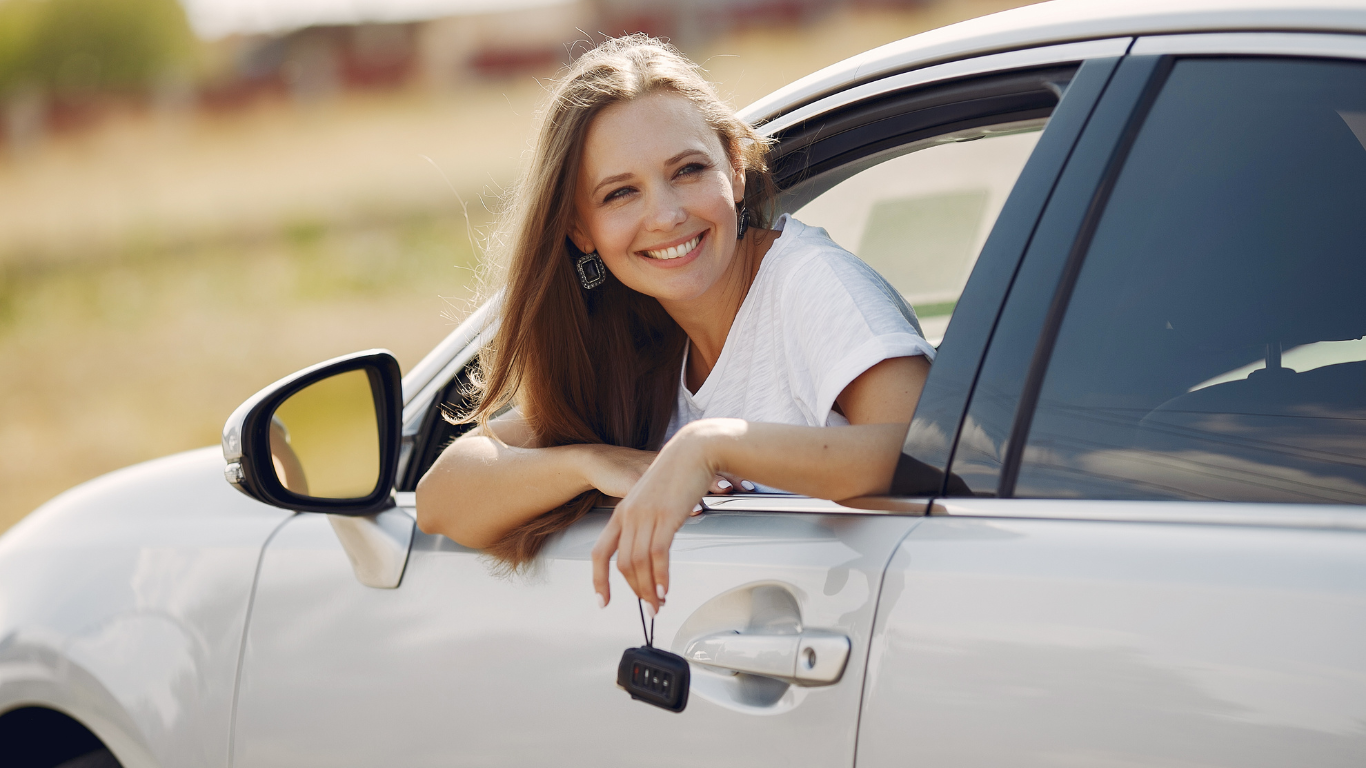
{"x": 665, "y": 211}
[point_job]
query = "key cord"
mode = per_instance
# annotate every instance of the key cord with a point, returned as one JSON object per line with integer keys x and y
{"x": 650, "y": 635}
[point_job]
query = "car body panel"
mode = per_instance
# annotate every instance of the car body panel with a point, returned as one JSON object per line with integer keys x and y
{"x": 1060, "y": 642}
{"x": 461, "y": 666}
{"x": 123, "y": 602}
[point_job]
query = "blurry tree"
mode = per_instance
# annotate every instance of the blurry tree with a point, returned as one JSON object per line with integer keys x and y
{"x": 76, "y": 48}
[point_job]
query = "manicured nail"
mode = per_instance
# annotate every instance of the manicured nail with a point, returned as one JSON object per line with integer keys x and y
{"x": 659, "y": 592}
{"x": 697, "y": 508}
{"x": 747, "y": 485}
{"x": 724, "y": 485}
{"x": 602, "y": 601}
{"x": 649, "y": 611}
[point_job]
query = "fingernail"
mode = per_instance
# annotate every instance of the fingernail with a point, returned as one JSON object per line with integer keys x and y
{"x": 649, "y": 611}
{"x": 724, "y": 485}
{"x": 602, "y": 601}
{"x": 747, "y": 485}
{"x": 697, "y": 508}
{"x": 659, "y": 592}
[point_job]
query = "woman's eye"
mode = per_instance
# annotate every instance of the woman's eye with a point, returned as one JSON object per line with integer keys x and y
{"x": 616, "y": 194}
{"x": 691, "y": 168}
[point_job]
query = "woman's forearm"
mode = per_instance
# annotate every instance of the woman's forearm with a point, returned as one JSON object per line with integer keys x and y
{"x": 479, "y": 489}
{"x": 823, "y": 462}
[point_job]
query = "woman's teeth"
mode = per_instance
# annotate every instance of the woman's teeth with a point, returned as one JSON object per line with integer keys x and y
{"x": 682, "y": 249}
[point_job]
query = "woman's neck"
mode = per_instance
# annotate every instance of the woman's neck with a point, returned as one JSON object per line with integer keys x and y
{"x": 707, "y": 319}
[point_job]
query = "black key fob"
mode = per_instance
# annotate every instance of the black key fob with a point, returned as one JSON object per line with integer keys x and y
{"x": 655, "y": 677}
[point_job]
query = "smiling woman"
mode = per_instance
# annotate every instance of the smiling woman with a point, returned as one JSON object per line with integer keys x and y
{"x": 717, "y": 349}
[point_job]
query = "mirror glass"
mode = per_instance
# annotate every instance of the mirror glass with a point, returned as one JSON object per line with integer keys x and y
{"x": 324, "y": 439}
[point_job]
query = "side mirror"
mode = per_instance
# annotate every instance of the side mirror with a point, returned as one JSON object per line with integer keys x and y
{"x": 325, "y": 439}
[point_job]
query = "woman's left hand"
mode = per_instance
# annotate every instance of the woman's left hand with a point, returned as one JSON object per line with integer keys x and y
{"x": 643, "y": 525}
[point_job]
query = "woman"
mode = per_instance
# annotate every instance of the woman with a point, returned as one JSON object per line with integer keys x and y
{"x": 658, "y": 341}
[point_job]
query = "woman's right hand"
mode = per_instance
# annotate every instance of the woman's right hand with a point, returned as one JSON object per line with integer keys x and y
{"x": 614, "y": 470}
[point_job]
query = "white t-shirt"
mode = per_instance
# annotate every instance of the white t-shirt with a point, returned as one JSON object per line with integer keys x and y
{"x": 814, "y": 319}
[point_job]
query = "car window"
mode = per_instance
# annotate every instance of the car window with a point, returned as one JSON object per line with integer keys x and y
{"x": 920, "y": 218}
{"x": 1212, "y": 347}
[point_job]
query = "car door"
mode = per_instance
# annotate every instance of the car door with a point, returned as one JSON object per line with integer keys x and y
{"x": 1157, "y": 552}
{"x": 463, "y": 665}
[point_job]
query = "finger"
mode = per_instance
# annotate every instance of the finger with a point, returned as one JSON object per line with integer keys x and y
{"x": 626, "y": 554}
{"x": 602, "y": 556}
{"x": 697, "y": 509}
{"x": 659, "y": 559}
{"x": 644, "y": 571}
{"x": 721, "y": 484}
{"x": 747, "y": 486}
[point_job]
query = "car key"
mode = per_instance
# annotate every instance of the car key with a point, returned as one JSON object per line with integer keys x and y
{"x": 654, "y": 676}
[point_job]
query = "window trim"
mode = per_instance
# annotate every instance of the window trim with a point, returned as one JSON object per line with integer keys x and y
{"x": 1328, "y": 517}
{"x": 1316, "y": 45}
{"x": 992, "y": 64}
{"x": 807, "y": 154}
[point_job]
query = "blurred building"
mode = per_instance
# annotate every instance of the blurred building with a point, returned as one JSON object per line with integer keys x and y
{"x": 311, "y": 51}
{"x": 317, "y": 61}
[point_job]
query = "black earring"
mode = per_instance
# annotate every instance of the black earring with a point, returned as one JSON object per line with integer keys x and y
{"x": 741, "y": 222}
{"x": 592, "y": 272}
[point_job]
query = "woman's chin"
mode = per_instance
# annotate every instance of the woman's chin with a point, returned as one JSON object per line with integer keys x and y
{"x": 675, "y": 291}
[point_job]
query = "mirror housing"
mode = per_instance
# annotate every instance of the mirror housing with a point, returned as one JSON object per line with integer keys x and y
{"x": 251, "y": 467}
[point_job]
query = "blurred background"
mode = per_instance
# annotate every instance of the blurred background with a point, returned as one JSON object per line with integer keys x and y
{"x": 199, "y": 197}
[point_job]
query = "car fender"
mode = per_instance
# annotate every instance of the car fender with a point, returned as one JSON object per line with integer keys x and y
{"x": 123, "y": 603}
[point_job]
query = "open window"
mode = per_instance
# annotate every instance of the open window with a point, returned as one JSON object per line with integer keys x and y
{"x": 912, "y": 183}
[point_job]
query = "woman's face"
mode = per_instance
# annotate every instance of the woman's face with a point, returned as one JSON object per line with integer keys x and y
{"x": 656, "y": 198}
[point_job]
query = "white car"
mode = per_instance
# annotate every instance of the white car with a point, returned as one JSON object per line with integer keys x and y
{"x": 1127, "y": 529}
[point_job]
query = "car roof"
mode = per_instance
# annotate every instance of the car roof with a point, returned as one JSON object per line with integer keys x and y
{"x": 1062, "y": 21}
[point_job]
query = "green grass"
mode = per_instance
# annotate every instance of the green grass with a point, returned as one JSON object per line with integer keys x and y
{"x": 147, "y": 353}
{"x": 939, "y": 309}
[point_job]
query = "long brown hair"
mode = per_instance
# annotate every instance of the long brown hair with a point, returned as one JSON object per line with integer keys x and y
{"x": 598, "y": 366}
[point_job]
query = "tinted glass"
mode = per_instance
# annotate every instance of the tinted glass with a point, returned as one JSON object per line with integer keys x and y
{"x": 920, "y": 219}
{"x": 1212, "y": 347}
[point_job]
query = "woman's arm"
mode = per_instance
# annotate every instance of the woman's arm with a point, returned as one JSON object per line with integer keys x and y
{"x": 483, "y": 486}
{"x": 824, "y": 462}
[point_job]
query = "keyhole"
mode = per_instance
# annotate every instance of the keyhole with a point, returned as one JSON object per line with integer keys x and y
{"x": 809, "y": 656}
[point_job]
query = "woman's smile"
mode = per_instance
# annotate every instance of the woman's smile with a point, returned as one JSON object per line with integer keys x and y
{"x": 680, "y": 253}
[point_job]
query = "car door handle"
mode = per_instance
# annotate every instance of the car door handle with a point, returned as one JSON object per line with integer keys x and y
{"x": 813, "y": 657}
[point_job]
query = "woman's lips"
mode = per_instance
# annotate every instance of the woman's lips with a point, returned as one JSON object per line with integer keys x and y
{"x": 677, "y": 251}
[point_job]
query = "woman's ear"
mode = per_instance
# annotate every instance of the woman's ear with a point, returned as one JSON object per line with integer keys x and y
{"x": 580, "y": 240}
{"x": 737, "y": 175}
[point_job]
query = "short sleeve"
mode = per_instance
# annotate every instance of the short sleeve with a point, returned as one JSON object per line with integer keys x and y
{"x": 840, "y": 318}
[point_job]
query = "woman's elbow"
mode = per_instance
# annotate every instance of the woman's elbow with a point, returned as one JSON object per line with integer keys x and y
{"x": 435, "y": 517}
{"x": 432, "y": 513}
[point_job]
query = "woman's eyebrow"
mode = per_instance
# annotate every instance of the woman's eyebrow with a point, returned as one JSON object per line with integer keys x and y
{"x": 676, "y": 158}
{"x": 671, "y": 161}
{"x": 612, "y": 180}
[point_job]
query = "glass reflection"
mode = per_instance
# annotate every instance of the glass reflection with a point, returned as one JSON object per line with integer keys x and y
{"x": 324, "y": 440}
